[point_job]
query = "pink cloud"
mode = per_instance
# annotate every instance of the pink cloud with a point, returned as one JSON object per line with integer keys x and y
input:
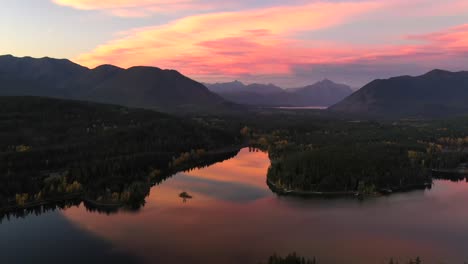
{"x": 139, "y": 8}
{"x": 452, "y": 40}
{"x": 231, "y": 42}
{"x": 263, "y": 42}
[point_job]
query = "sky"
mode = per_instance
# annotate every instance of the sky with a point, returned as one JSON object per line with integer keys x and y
{"x": 289, "y": 43}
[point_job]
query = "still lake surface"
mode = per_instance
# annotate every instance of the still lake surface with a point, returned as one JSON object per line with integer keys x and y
{"x": 235, "y": 218}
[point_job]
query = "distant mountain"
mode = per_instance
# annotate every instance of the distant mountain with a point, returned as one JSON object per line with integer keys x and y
{"x": 252, "y": 94}
{"x": 238, "y": 87}
{"x": 324, "y": 93}
{"x": 435, "y": 94}
{"x": 226, "y": 87}
{"x": 146, "y": 87}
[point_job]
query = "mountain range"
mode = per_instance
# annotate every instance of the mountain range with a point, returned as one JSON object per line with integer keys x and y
{"x": 324, "y": 93}
{"x": 437, "y": 93}
{"x": 145, "y": 87}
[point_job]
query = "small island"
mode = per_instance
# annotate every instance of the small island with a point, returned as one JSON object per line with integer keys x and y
{"x": 185, "y": 196}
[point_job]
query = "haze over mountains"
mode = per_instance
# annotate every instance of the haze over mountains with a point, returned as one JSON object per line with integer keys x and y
{"x": 323, "y": 93}
{"x": 437, "y": 93}
{"x": 146, "y": 87}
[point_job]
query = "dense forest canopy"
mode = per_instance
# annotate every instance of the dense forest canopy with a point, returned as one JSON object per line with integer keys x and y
{"x": 53, "y": 150}
{"x": 319, "y": 153}
{"x": 52, "y": 147}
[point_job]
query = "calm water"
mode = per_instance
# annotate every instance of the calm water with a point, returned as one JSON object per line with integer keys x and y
{"x": 234, "y": 218}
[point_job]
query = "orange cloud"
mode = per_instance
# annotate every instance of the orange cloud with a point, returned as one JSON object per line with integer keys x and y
{"x": 265, "y": 42}
{"x": 259, "y": 40}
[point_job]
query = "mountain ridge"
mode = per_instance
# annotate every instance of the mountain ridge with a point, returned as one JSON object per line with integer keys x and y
{"x": 437, "y": 93}
{"x": 322, "y": 93}
{"x": 138, "y": 86}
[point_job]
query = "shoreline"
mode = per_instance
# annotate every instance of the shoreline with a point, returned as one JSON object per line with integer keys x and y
{"x": 381, "y": 192}
{"x": 104, "y": 205}
{"x": 45, "y": 202}
{"x": 286, "y": 192}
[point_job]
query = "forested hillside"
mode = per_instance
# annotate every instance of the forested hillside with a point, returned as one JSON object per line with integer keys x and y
{"x": 66, "y": 146}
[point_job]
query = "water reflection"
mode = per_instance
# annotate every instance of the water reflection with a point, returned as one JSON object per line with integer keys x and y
{"x": 100, "y": 192}
{"x": 234, "y": 218}
{"x": 170, "y": 231}
{"x": 51, "y": 238}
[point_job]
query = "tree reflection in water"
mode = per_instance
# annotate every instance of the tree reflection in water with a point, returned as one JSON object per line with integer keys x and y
{"x": 104, "y": 194}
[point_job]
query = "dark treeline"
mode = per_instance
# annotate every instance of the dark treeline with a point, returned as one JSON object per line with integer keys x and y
{"x": 289, "y": 259}
{"x": 106, "y": 154}
{"x": 102, "y": 193}
{"x": 311, "y": 151}
{"x": 293, "y": 258}
{"x": 335, "y": 169}
{"x": 38, "y": 210}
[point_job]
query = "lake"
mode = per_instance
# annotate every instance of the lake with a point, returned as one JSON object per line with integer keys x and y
{"x": 233, "y": 217}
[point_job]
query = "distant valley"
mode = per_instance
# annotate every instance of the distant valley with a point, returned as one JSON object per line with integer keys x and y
{"x": 323, "y": 93}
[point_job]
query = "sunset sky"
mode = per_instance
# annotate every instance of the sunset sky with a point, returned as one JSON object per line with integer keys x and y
{"x": 289, "y": 43}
